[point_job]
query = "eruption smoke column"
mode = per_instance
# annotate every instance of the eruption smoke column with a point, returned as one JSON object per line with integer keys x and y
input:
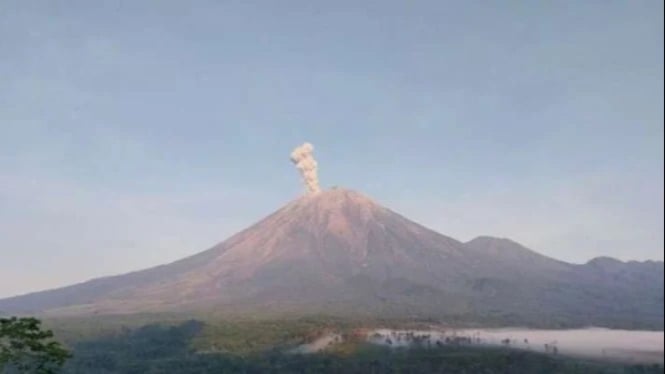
{"x": 304, "y": 160}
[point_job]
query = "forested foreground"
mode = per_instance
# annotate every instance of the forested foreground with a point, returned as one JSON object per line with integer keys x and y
{"x": 171, "y": 349}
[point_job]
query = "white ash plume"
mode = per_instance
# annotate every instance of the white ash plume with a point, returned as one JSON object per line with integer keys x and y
{"x": 304, "y": 160}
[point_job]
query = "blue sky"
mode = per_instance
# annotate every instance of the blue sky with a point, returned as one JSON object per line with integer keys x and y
{"x": 133, "y": 133}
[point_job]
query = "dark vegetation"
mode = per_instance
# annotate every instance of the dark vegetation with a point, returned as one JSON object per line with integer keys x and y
{"x": 261, "y": 346}
{"x": 25, "y": 347}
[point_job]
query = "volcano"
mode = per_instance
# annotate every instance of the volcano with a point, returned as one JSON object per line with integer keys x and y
{"x": 339, "y": 252}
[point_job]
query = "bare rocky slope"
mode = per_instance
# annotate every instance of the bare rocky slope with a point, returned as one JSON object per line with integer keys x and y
{"x": 338, "y": 252}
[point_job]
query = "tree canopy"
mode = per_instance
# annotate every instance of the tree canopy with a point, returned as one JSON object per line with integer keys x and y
{"x": 25, "y": 347}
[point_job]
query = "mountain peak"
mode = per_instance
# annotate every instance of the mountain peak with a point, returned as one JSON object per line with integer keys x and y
{"x": 605, "y": 261}
{"x": 486, "y": 239}
{"x": 496, "y": 245}
{"x": 337, "y": 251}
{"x": 507, "y": 250}
{"x": 331, "y": 209}
{"x": 336, "y": 196}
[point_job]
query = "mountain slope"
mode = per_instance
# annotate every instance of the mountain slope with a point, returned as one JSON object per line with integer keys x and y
{"x": 339, "y": 252}
{"x": 312, "y": 247}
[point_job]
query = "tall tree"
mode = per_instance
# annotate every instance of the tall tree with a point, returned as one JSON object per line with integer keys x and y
{"x": 27, "y": 348}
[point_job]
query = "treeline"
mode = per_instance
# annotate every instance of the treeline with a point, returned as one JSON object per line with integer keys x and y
{"x": 171, "y": 349}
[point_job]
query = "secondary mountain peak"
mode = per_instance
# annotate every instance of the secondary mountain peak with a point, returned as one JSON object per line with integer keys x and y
{"x": 503, "y": 247}
{"x": 492, "y": 241}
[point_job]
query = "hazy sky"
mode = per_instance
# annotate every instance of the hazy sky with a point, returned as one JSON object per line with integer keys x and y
{"x": 133, "y": 133}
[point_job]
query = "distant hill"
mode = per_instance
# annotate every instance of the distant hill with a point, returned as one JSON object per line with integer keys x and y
{"x": 338, "y": 252}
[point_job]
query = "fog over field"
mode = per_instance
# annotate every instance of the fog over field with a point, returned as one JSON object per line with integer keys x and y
{"x": 628, "y": 346}
{"x": 623, "y": 345}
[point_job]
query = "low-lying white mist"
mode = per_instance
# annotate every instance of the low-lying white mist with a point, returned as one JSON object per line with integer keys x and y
{"x": 598, "y": 343}
{"x": 319, "y": 344}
